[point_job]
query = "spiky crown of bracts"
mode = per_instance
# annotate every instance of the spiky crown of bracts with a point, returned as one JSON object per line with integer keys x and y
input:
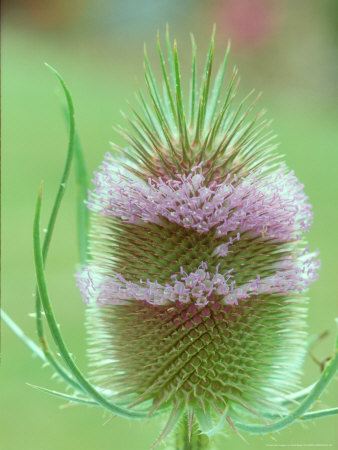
{"x": 198, "y": 256}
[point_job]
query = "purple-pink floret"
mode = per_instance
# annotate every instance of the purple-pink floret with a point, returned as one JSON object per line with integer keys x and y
{"x": 200, "y": 286}
{"x": 271, "y": 206}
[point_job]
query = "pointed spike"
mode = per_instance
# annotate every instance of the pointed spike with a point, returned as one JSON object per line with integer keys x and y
{"x": 152, "y": 87}
{"x": 167, "y": 133}
{"x": 173, "y": 420}
{"x": 220, "y": 119}
{"x": 208, "y": 69}
{"x": 166, "y": 79}
{"x": 230, "y": 422}
{"x": 217, "y": 86}
{"x": 70, "y": 398}
{"x": 170, "y": 54}
{"x": 193, "y": 84}
{"x": 147, "y": 112}
{"x": 218, "y": 427}
{"x": 205, "y": 88}
{"x": 143, "y": 126}
{"x": 161, "y": 117}
{"x": 191, "y": 412}
{"x": 180, "y": 107}
{"x": 204, "y": 418}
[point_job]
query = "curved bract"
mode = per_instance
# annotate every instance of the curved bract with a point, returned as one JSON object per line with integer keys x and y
{"x": 195, "y": 273}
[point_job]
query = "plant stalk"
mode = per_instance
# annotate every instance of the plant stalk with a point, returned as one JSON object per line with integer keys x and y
{"x": 186, "y": 439}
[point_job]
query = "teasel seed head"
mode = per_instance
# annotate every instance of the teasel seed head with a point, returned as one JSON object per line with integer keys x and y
{"x": 195, "y": 286}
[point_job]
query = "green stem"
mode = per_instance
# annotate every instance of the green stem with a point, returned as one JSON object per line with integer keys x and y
{"x": 186, "y": 439}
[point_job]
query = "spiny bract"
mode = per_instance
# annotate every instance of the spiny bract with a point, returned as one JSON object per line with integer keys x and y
{"x": 198, "y": 260}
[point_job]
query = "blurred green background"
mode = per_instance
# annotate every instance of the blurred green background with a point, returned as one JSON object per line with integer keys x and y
{"x": 287, "y": 49}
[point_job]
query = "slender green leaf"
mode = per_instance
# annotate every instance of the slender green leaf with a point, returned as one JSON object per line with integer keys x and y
{"x": 50, "y": 229}
{"x": 55, "y": 329}
{"x": 66, "y": 172}
{"x": 21, "y": 335}
{"x": 67, "y": 397}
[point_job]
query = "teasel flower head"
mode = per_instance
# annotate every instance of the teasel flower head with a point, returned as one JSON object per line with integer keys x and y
{"x": 199, "y": 262}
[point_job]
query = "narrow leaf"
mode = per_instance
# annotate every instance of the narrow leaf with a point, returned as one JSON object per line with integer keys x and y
{"x": 68, "y": 398}
{"x": 21, "y": 335}
{"x": 55, "y": 330}
{"x": 50, "y": 229}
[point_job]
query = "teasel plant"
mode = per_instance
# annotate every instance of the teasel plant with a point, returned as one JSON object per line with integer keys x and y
{"x": 194, "y": 268}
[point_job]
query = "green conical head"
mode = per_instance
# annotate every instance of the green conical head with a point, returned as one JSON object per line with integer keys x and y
{"x": 195, "y": 287}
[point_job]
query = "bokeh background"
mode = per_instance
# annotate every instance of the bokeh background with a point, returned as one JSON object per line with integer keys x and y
{"x": 287, "y": 49}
